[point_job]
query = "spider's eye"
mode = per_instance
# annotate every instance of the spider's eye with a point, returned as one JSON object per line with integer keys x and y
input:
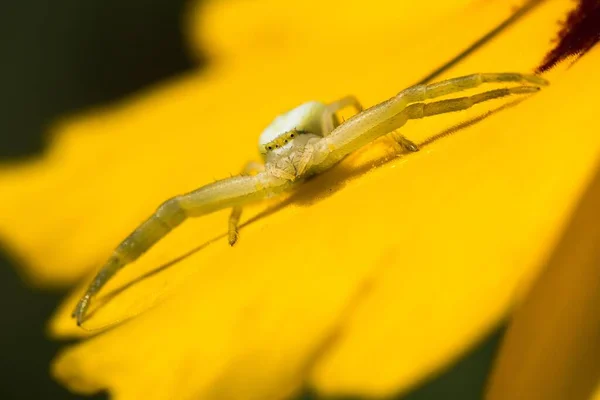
{"x": 269, "y": 147}
{"x": 277, "y": 146}
{"x": 292, "y": 135}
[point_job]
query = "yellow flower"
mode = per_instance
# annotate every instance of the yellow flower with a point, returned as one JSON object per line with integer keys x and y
{"x": 364, "y": 280}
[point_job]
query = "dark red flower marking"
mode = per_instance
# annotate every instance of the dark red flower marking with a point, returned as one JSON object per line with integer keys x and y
{"x": 580, "y": 32}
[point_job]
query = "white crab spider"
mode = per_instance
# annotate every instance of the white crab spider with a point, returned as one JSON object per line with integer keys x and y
{"x": 303, "y": 142}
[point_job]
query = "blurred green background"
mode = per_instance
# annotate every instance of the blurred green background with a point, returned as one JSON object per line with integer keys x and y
{"x": 63, "y": 56}
{"x": 59, "y": 57}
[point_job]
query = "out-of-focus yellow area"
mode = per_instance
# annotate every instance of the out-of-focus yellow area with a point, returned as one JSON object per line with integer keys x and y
{"x": 551, "y": 348}
{"x": 365, "y": 280}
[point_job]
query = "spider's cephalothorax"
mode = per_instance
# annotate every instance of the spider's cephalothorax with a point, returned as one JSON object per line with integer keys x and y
{"x": 286, "y": 144}
{"x": 305, "y": 141}
{"x": 304, "y": 119}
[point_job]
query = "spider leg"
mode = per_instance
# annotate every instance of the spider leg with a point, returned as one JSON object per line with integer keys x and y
{"x": 422, "y": 110}
{"x": 250, "y": 168}
{"x": 329, "y": 120}
{"x": 231, "y": 192}
{"x": 454, "y": 85}
{"x": 390, "y": 115}
{"x": 402, "y": 142}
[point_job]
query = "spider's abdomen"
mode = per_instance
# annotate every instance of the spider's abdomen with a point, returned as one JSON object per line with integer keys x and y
{"x": 304, "y": 118}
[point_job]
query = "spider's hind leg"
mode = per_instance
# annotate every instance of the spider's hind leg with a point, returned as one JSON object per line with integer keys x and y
{"x": 401, "y": 142}
{"x": 251, "y": 167}
{"x": 329, "y": 119}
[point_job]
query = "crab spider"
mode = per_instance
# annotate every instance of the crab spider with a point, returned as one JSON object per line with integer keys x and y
{"x": 303, "y": 142}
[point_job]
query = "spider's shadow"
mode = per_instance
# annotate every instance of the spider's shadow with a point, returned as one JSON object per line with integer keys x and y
{"x": 324, "y": 185}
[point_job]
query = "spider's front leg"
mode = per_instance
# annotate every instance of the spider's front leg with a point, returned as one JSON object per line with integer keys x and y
{"x": 330, "y": 122}
{"x": 392, "y": 114}
{"x": 305, "y": 150}
{"x": 231, "y": 192}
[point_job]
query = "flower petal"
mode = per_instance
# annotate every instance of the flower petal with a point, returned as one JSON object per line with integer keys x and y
{"x": 353, "y": 270}
{"x": 251, "y": 329}
{"x": 552, "y": 345}
{"x": 479, "y": 217}
{"x": 371, "y": 275}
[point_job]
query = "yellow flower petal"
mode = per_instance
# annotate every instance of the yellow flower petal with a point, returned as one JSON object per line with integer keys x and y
{"x": 335, "y": 29}
{"x": 489, "y": 221}
{"x": 551, "y": 349}
{"x": 252, "y": 330}
{"x": 356, "y": 271}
